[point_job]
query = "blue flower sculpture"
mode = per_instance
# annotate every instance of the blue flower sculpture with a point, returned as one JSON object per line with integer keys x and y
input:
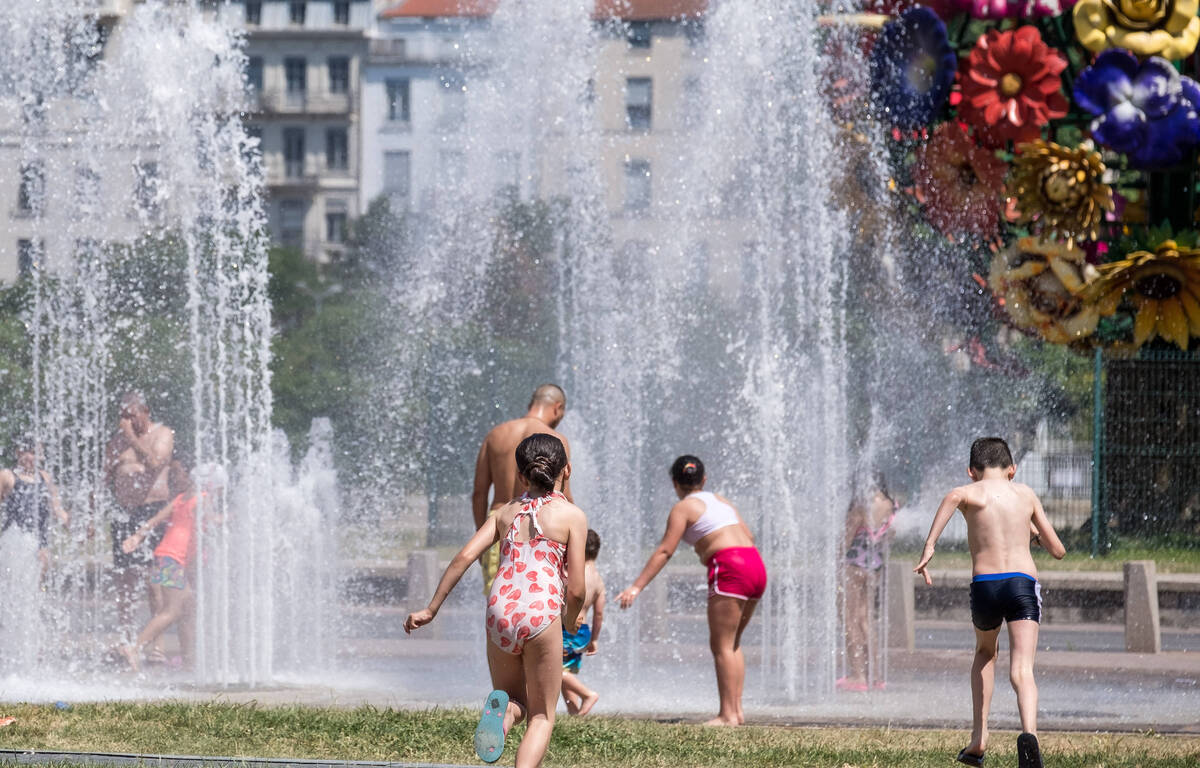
{"x": 1147, "y": 111}
{"x": 912, "y": 68}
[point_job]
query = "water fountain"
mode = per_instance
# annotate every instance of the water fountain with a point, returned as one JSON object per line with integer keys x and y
{"x": 150, "y": 275}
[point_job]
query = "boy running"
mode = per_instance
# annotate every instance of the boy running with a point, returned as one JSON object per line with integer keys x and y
{"x": 578, "y": 697}
{"x": 1000, "y": 517}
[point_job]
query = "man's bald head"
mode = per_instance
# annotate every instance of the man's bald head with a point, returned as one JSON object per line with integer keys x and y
{"x": 548, "y": 394}
{"x": 548, "y": 403}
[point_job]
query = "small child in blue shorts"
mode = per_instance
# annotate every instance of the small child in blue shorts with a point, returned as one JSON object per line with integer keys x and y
{"x": 578, "y": 697}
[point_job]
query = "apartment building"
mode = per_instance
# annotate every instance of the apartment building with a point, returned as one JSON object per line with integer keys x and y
{"x": 304, "y": 66}
{"x": 40, "y": 163}
{"x": 646, "y": 92}
{"x": 414, "y": 97}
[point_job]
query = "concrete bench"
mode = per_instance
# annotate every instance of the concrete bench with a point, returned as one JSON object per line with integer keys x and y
{"x": 1138, "y": 587}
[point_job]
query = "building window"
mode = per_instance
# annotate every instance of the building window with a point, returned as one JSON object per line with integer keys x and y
{"x": 291, "y": 223}
{"x": 87, "y": 188}
{"x": 453, "y": 167}
{"x": 254, "y": 74}
{"x": 297, "y": 10}
{"x": 397, "y": 178}
{"x": 254, "y": 12}
{"x": 398, "y": 101}
{"x": 31, "y": 194}
{"x": 339, "y": 74}
{"x": 341, "y": 12}
{"x": 638, "y": 34}
{"x": 337, "y": 149}
{"x": 692, "y": 103}
{"x": 296, "y": 71}
{"x": 335, "y": 226}
{"x": 145, "y": 192}
{"x": 29, "y": 256}
{"x": 454, "y": 101}
{"x": 639, "y": 99}
{"x": 293, "y": 152}
{"x": 637, "y": 187}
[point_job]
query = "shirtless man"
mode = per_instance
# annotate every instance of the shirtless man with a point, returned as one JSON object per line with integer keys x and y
{"x": 496, "y": 466}
{"x": 137, "y": 460}
{"x": 1001, "y": 515}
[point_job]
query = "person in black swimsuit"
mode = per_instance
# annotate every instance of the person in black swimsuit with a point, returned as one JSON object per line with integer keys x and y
{"x": 28, "y": 498}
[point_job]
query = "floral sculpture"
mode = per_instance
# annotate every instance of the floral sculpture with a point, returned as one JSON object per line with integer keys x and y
{"x": 912, "y": 68}
{"x": 1147, "y": 110}
{"x": 1012, "y": 87}
{"x": 1055, "y": 143}
{"x": 1168, "y": 28}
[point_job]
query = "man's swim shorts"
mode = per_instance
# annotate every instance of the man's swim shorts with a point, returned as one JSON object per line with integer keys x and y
{"x": 574, "y": 644}
{"x": 997, "y": 597}
{"x": 737, "y": 572}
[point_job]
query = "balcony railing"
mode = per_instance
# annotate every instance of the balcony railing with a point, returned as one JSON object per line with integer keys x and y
{"x": 284, "y": 102}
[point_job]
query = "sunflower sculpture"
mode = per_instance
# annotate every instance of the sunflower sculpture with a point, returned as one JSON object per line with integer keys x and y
{"x": 1162, "y": 289}
{"x": 1060, "y": 188}
{"x": 1041, "y": 285}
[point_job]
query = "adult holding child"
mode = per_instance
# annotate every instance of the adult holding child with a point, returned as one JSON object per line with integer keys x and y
{"x": 737, "y": 577}
{"x": 542, "y": 537}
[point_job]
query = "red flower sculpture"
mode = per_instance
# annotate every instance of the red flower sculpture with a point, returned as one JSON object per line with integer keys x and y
{"x": 1012, "y": 86}
{"x": 959, "y": 182}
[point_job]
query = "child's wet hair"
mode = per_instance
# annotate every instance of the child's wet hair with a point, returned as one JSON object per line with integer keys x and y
{"x": 987, "y": 452}
{"x": 541, "y": 458}
{"x": 688, "y": 471}
{"x": 591, "y": 547}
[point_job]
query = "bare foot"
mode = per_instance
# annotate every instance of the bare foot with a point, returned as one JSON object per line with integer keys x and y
{"x": 512, "y": 715}
{"x": 572, "y": 705}
{"x": 589, "y": 702}
{"x": 721, "y": 721}
{"x": 129, "y": 653}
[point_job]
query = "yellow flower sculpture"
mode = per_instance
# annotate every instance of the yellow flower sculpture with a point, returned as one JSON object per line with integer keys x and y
{"x": 1167, "y": 28}
{"x": 1163, "y": 287}
{"x": 1041, "y": 284}
{"x": 1061, "y": 188}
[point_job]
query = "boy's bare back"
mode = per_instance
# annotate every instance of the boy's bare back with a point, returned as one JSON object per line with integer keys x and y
{"x": 999, "y": 513}
{"x": 593, "y": 584}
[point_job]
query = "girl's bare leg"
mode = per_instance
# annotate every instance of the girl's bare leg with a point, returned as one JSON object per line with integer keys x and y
{"x": 747, "y": 613}
{"x": 508, "y": 675}
{"x": 724, "y": 620}
{"x": 856, "y": 624}
{"x": 542, "y": 657}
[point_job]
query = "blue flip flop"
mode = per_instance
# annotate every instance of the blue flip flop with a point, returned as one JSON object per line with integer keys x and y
{"x": 489, "y": 734}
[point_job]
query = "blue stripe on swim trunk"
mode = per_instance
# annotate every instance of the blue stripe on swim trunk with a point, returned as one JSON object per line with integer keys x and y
{"x": 1002, "y": 576}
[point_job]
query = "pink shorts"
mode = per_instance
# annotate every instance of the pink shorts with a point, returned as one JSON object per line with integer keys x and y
{"x": 737, "y": 572}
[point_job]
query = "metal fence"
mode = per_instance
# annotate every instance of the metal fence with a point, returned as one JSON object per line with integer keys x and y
{"x": 1149, "y": 453}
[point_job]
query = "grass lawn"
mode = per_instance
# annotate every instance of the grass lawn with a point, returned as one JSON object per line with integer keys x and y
{"x": 445, "y": 736}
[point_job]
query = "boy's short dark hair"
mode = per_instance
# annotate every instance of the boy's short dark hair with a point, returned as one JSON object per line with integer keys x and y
{"x": 591, "y": 547}
{"x": 990, "y": 452}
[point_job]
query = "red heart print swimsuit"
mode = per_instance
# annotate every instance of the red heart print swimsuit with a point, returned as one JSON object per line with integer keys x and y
{"x": 527, "y": 595}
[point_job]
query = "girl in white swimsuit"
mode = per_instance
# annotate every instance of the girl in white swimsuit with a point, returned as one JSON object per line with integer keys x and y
{"x": 541, "y": 569}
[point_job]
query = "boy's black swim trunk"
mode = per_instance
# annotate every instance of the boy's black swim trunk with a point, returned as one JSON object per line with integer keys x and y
{"x": 997, "y": 597}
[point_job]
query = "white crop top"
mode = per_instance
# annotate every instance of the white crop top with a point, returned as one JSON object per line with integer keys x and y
{"x": 717, "y": 514}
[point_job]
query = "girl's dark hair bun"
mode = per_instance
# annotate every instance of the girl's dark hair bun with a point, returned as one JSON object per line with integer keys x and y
{"x": 688, "y": 471}
{"x": 541, "y": 458}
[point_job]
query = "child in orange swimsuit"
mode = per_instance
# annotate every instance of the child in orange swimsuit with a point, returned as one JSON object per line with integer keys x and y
{"x": 542, "y": 539}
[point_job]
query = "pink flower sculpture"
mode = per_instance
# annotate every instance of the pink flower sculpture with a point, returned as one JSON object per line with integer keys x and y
{"x": 1020, "y": 9}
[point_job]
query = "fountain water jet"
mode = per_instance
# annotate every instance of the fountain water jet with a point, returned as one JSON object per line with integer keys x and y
{"x": 162, "y": 290}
